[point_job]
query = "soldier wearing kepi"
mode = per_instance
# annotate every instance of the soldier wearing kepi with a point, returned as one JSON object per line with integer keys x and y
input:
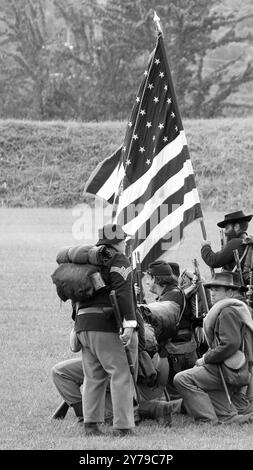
{"x": 103, "y": 354}
{"x": 235, "y": 225}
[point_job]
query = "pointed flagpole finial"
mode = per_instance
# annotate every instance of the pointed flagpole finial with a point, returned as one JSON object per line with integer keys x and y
{"x": 157, "y": 22}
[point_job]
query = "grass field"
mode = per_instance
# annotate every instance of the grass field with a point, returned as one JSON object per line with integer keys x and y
{"x": 34, "y": 336}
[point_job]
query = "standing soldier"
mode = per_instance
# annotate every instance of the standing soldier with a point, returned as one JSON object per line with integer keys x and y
{"x": 103, "y": 354}
{"x": 235, "y": 225}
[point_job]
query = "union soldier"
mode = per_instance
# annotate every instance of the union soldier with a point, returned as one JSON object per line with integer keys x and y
{"x": 103, "y": 354}
{"x": 68, "y": 378}
{"x": 175, "y": 333}
{"x": 235, "y": 226}
{"x": 204, "y": 395}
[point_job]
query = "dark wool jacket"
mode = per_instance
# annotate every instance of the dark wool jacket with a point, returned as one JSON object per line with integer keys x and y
{"x": 118, "y": 276}
{"x": 173, "y": 293}
{"x": 223, "y": 258}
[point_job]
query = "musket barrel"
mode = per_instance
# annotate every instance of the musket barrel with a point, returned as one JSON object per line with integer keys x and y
{"x": 238, "y": 265}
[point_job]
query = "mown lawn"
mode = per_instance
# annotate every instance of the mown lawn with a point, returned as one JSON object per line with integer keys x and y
{"x": 34, "y": 336}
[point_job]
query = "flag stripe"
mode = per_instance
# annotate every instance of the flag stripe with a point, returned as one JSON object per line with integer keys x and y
{"x": 172, "y": 221}
{"x": 169, "y": 152}
{"x": 104, "y": 178}
{"x": 190, "y": 215}
{"x": 170, "y": 205}
{"x": 170, "y": 188}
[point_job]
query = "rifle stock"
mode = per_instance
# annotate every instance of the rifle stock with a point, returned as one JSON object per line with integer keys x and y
{"x": 201, "y": 289}
{"x": 118, "y": 319}
{"x": 249, "y": 293}
{"x": 139, "y": 276}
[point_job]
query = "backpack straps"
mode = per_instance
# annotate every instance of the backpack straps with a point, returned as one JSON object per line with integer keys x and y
{"x": 242, "y": 257}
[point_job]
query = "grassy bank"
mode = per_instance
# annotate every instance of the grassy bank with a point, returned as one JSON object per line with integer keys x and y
{"x": 46, "y": 164}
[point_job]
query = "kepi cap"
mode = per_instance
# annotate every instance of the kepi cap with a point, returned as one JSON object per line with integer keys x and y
{"x": 111, "y": 234}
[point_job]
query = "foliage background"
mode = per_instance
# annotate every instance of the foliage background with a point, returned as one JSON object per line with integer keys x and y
{"x": 84, "y": 59}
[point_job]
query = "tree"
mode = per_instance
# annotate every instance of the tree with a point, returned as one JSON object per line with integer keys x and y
{"x": 195, "y": 33}
{"x": 23, "y": 44}
{"x": 89, "y": 64}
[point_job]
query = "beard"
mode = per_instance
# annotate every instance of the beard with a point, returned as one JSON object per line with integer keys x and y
{"x": 231, "y": 234}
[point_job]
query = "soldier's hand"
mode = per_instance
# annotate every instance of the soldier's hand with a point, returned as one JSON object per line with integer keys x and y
{"x": 126, "y": 336}
{"x": 136, "y": 289}
{"x": 200, "y": 362}
{"x": 205, "y": 242}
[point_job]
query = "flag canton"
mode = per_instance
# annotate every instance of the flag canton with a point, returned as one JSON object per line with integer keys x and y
{"x": 154, "y": 122}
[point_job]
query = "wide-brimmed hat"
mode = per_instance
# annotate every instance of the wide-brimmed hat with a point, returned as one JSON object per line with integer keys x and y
{"x": 233, "y": 217}
{"x": 111, "y": 234}
{"x": 226, "y": 279}
{"x": 159, "y": 268}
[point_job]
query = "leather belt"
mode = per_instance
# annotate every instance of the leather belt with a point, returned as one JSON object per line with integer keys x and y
{"x": 82, "y": 311}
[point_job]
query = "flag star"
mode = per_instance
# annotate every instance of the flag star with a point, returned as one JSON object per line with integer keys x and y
{"x": 128, "y": 162}
{"x": 148, "y": 161}
{"x": 154, "y": 150}
{"x": 130, "y": 124}
{"x": 124, "y": 149}
{"x": 176, "y": 128}
{"x": 146, "y": 73}
{"x": 166, "y": 87}
{"x": 148, "y": 124}
{"x": 150, "y": 86}
{"x": 169, "y": 100}
{"x": 160, "y": 125}
{"x": 137, "y": 99}
{"x": 173, "y": 114}
{"x": 141, "y": 149}
{"x": 153, "y": 137}
{"x": 165, "y": 139}
{"x": 142, "y": 112}
{"x": 135, "y": 137}
{"x": 161, "y": 74}
{"x": 156, "y": 99}
{"x": 157, "y": 61}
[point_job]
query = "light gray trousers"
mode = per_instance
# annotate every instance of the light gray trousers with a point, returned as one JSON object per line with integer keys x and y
{"x": 203, "y": 394}
{"x": 104, "y": 357}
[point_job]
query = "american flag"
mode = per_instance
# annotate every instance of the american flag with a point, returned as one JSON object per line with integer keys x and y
{"x": 150, "y": 177}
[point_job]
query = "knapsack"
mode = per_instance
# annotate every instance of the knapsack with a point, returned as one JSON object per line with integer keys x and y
{"x": 248, "y": 259}
{"x": 79, "y": 274}
{"x": 193, "y": 299}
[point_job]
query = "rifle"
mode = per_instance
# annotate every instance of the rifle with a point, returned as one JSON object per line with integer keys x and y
{"x": 238, "y": 266}
{"x": 202, "y": 294}
{"x": 139, "y": 273}
{"x": 222, "y": 238}
{"x": 61, "y": 411}
{"x": 201, "y": 289}
{"x": 118, "y": 319}
{"x": 249, "y": 293}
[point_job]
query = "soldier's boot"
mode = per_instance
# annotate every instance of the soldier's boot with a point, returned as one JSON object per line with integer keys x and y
{"x": 78, "y": 409}
{"x": 161, "y": 411}
{"x": 92, "y": 429}
{"x": 61, "y": 411}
